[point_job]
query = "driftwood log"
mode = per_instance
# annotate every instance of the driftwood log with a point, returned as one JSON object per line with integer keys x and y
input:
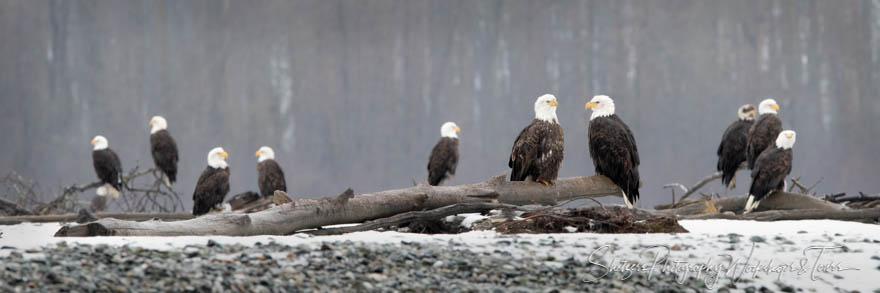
{"x": 347, "y": 208}
{"x": 71, "y": 217}
{"x": 860, "y": 215}
{"x": 777, "y": 207}
{"x": 414, "y": 216}
{"x": 776, "y": 201}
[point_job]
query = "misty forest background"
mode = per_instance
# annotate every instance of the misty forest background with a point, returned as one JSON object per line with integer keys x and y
{"x": 353, "y": 93}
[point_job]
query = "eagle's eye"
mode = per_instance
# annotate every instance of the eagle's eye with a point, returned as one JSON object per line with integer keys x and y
{"x": 597, "y": 102}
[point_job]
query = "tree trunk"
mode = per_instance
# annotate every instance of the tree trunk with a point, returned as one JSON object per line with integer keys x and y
{"x": 347, "y": 208}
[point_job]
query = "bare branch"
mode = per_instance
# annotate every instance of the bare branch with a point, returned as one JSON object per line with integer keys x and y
{"x": 689, "y": 191}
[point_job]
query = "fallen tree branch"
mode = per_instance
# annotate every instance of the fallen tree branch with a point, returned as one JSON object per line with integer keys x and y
{"x": 862, "y": 197}
{"x": 777, "y": 201}
{"x": 697, "y": 186}
{"x": 72, "y": 217}
{"x": 860, "y": 215}
{"x": 62, "y": 202}
{"x": 414, "y": 216}
{"x": 12, "y": 209}
{"x": 313, "y": 213}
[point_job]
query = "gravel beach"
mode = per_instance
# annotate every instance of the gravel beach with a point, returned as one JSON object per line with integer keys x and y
{"x": 31, "y": 260}
{"x": 340, "y": 266}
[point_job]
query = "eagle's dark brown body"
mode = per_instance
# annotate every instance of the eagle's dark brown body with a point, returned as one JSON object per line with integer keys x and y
{"x": 732, "y": 150}
{"x": 107, "y": 167}
{"x": 769, "y": 172}
{"x": 270, "y": 177}
{"x": 762, "y": 134}
{"x": 614, "y": 153}
{"x": 164, "y": 151}
{"x": 212, "y": 187}
{"x": 537, "y": 152}
{"x": 443, "y": 160}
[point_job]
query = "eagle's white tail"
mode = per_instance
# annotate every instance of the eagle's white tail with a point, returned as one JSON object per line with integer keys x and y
{"x": 107, "y": 189}
{"x": 112, "y": 191}
{"x": 751, "y": 204}
{"x": 626, "y": 200}
{"x": 166, "y": 180}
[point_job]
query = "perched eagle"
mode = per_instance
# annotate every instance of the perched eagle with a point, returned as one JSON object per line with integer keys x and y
{"x": 213, "y": 184}
{"x": 269, "y": 173}
{"x": 613, "y": 148}
{"x": 538, "y": 150}
{"x": 164, "y": 149}
{"x": 444, "y": 156}
{"x": 732, "y": 150}
{"x": 770, "y": 170}
{"x": 762, "y": 133}
{"x": 107, "y": 166}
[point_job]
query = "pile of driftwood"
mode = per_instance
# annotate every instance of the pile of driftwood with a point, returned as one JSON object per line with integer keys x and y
{"x": 143, "y": 193}
{"x": 279, "y": 215}
{"x": 781, "y": 205}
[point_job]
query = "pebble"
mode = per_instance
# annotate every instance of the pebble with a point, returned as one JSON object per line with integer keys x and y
{"x": 331, "y": 266}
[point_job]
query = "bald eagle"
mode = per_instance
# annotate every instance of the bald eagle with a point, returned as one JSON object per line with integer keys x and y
{"x": 770, "y": 170}
{"x": 444, "y": 156}
{"x": 732, "y": 150}
{"x": 613, "y": 148}
{"x": 213, "y": 184}
{"x": 269, "y": 174}
{"x": 164, "y": 149}
{"x": 538, "y": 150}
{"x": 764, "y": 131}
{"x": 107, "y": 166}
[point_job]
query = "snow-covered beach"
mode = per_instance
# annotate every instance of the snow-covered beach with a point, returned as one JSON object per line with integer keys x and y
{"x": 717, "y": 255}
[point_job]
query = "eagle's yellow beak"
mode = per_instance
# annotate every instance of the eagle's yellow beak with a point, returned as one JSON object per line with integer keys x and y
{"x": 774, "y": 106}
{"x": 788, "y": 135}
{"x": 554, "y": 103}
{"x": 589, "y": 105}
{"x": 224, "y": 154}
{"x": 753, "y": 111}
{"x": 457, "y": 129}
{"x": 94, "y": 141}
{"x": 151, "y": 122}
{"x": 258, "y": 154}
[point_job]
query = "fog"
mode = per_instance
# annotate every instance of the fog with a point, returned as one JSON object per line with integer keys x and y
{"x": 353, "y": 93}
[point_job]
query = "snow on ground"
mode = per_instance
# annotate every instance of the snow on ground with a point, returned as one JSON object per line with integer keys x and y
{"x": 818, "y": 255}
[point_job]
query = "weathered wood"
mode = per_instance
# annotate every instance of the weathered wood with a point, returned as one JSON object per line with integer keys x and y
{"x": 696, "y": 207}
{"x": 593, "y": 219}
{"x": 13, "y": 220}
{"x": 240, "y": 200}
{"x": 409, "y": 217}
{"x": 705, "y": 180}
{"x": 861, "y": 215}
{"x": 776, "y": 201}
{"x": 313, "y": 213}
{"x": 11, "y": 209}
